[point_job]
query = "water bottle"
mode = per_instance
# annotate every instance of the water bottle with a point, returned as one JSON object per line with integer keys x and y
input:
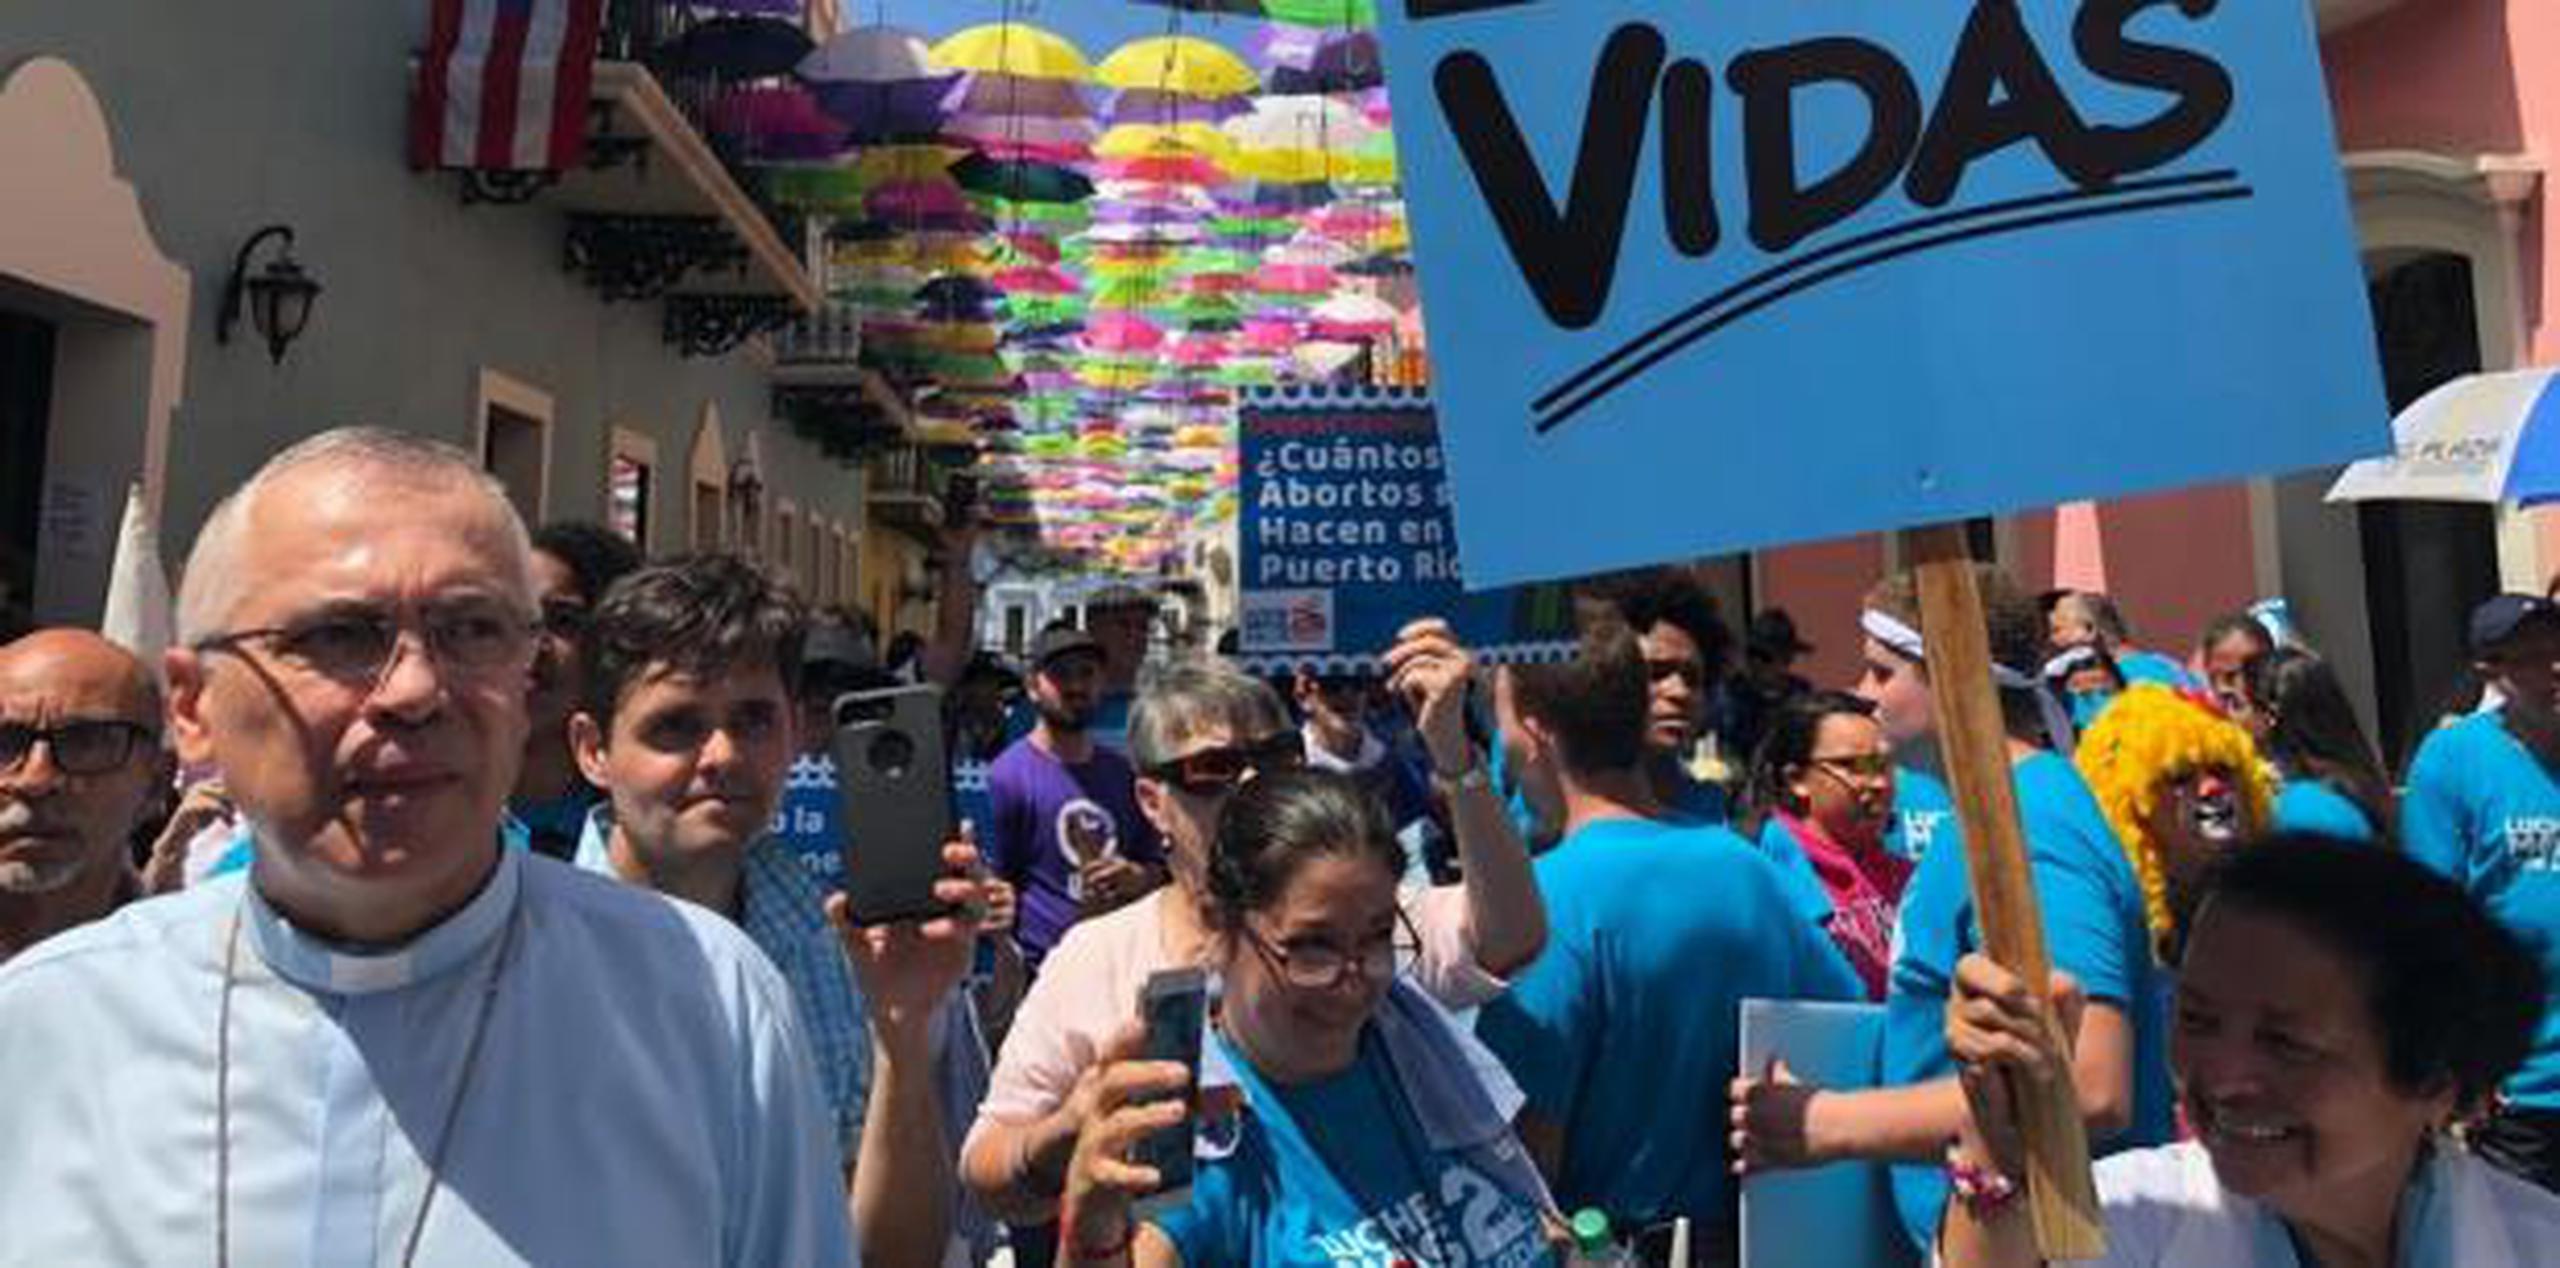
{"x": 1595, "y": 1244}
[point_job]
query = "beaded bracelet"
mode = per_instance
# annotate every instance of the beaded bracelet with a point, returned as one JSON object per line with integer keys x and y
{"x": 1985, "y": 1192}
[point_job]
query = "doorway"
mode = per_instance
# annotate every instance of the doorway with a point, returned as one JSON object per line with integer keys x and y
{"x": 2426, "y": 564}
{"x": 26, "y": 408}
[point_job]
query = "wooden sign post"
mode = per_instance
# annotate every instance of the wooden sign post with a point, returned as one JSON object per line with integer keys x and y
{"x": 1973, "y": 742}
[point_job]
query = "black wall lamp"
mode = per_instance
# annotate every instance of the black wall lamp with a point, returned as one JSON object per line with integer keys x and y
{"x": 278, "y": 296}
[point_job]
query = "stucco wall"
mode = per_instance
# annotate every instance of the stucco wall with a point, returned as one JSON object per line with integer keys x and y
{"x": 227, "y": 117}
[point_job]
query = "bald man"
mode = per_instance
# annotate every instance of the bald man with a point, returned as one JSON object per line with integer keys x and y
{"x": 79, "y": 757}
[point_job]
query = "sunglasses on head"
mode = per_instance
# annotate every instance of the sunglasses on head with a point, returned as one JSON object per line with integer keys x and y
{"x": 1220, "y": 769}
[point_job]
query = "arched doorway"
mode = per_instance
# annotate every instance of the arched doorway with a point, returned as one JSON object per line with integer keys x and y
{"x": 93, "y": 344}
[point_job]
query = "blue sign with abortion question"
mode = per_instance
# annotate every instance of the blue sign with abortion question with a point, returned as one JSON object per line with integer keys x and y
{"x": 1344, "y": 537}
{"x": 1701, "y": 277}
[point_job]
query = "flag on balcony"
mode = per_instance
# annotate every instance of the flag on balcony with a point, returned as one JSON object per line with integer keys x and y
{"x": 503, "y": 85}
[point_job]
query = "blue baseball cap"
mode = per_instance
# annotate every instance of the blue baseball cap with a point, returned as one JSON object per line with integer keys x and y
{"x": 2498, "y": 619}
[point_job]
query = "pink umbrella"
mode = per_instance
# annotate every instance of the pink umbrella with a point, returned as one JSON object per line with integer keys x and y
{"x": 1035, "y": 281}
{"x": 1122, "y": 332}
{"x": 778, "y": 122}
{"x": 1270, "y": 334}
{"x": 1171, "y": 169}
{"x": 1294, "y": 279}
{"x": 916, "y": 200}
{"x": 1200, "y": 352}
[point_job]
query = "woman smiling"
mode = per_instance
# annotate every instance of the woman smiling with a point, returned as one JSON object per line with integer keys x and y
{"x": 2337, "y": 1010}
{"x": 1371, "y": 1127}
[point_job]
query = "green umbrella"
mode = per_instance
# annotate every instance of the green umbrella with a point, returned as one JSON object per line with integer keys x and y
{"x": 1323, "y": 12}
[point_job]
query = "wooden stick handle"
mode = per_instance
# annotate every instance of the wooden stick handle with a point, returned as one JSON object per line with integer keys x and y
{"x": 1974, "y": 743}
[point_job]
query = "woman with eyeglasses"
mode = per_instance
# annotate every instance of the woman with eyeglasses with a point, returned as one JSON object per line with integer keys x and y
{"x": 1368, "y": 1128}
{"x": 1200, "y": 732}
{"x": 1821, "y": 788}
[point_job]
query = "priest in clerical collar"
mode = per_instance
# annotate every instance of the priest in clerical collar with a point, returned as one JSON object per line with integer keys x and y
{"x": 393, "y": 1041}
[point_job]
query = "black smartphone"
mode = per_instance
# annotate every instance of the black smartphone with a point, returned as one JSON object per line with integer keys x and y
{"x": 894, "y": 799}
{"x": 1174, "y": 1004}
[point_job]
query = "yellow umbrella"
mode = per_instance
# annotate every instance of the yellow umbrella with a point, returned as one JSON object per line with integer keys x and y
{"x": 1152, "y": 140}
{"x": 1011, "y": 48}
{"x": 1177, "y": 64}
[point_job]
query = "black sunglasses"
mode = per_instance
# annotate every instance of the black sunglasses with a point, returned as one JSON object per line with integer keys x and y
{"x": 1216, "y": 770}
{"x": 79, "y": 748}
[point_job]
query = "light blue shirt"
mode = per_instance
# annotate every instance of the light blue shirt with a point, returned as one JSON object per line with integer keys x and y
{"x": 2094, "y": 930}
{"x": 1625, "y": 1032}
{"x": 2482, "y": 809}
{"x": 782, "y": 908}
{"x": 2308, "y": 805}
{"x": 643, "y": 1094}
{"x": 1340, "y": 1171}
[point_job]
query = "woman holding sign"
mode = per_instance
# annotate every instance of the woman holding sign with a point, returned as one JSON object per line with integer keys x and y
{"x": 2338, "y": 1008}
{"x": 1372, "y": 1128}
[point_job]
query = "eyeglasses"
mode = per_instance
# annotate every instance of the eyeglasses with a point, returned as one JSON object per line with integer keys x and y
{"x": 1217, "y": 770}
{"x": 79, "y": 748}
{"x": 1318, "y": 966}
{"x": 1856, "y": 766}
{"x": 356, "y": 646}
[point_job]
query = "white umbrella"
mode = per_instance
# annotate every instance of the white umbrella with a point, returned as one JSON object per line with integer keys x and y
{"x": 139, "y": 616}
{"x": 2480, "y": 438}
{"x": 870, "y": 55}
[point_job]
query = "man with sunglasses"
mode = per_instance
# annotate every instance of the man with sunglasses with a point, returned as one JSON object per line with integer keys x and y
{"x": 1200, "y": 729}
{"x": 393, "y": 1040}
{"x": 79, "y": 760}
{"x": 1065, "y": 830}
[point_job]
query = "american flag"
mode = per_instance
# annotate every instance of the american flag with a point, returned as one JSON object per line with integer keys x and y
{"x": 503, "y": 85}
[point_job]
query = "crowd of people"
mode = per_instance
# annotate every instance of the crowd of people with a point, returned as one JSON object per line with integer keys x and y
{"x": 454, "y": 893}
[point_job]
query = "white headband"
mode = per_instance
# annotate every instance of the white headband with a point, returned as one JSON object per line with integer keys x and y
{"x": 1893, "y": 633}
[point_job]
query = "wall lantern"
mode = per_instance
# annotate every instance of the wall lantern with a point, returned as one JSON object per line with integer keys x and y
{"x": 278, "y": 296}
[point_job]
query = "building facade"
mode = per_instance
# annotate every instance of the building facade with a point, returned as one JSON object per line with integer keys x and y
{"x": 588, "y": 340}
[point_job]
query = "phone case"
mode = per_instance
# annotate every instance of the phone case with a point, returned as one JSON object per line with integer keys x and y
{"x": 1174, "y": 1005}
{"x": 893, "y": 788}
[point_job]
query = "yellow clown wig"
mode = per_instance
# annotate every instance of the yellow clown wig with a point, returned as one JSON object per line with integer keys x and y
{"x": 2147, "y": 739}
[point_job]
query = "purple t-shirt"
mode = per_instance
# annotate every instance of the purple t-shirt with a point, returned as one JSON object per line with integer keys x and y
{"x": 1049, "y": 816}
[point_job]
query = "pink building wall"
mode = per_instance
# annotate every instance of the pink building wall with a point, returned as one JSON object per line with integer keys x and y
{"x": 2457, "y": 77}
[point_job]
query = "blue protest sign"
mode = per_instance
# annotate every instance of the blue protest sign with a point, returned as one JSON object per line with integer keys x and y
{"x": 1344, "y": 536}
{"x": 1705, "y": 277}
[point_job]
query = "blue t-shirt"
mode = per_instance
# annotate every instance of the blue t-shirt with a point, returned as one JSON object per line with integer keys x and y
{"x": 2308, "y": 805}
{"x": 2482, "y": 809}
{"x": 1921, "y": 805}
{"x": 1805, "y": 893}
{"x": 2094, "y": 930}
{"x": 1625, "y": 1031}
{"x": 2154, "y": 667}
{"x": 1337, "y": 1173}
{"x": 555, "y": 823}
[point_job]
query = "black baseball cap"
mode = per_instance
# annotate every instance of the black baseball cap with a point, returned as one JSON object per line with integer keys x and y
{"x": 1062, "y": 640}
{"x": 2498, "y": 619}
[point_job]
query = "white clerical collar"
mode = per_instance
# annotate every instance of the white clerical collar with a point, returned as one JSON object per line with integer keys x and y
{"x": 314, "y": 963}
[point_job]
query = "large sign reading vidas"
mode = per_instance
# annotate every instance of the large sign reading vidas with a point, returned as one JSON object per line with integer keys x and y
{"x": 1704, "y": 275}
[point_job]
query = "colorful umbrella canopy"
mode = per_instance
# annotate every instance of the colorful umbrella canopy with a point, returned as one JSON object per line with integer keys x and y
{"x": 1012, "y": 48}
{"x": 1177, "y": 64}
{"x": 777, "y": 122}
{"x": 1011, "y": 95}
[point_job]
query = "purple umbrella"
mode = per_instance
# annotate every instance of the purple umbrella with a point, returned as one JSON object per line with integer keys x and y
{"x": 884, "y": 112}
{"x": 1147, "y": 105}
{"x": 777, "y": 122}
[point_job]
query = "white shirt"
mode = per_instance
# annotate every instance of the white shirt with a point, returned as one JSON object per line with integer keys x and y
{"x": 642, "y": 1094}
{"x": 2165, "y": 1209}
